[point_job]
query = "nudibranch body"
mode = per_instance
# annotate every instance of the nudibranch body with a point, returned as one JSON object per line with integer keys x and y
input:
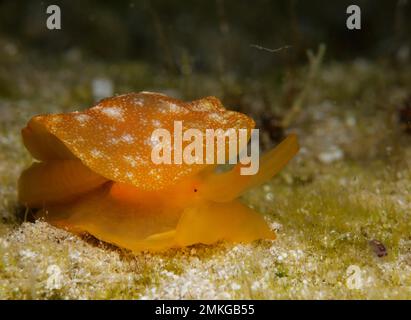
{"x": 94, "y": 174}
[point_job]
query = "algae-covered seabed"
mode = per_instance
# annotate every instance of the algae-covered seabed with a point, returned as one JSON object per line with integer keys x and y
{"x": 347, "y": 191}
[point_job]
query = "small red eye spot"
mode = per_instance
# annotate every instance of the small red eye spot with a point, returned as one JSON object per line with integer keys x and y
{"x": 195, "y": 190}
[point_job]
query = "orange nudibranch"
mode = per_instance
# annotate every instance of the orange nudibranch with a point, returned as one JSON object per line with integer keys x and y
{"x": 94, "y": 174}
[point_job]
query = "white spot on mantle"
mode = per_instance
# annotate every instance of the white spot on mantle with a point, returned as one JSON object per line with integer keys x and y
{"x": 55, "y": 279}
{"x": 127, "y": 138}
{"x": 95, "y": 153}
{"x": 82, "y": 118}
{"x": 113, "y": 112}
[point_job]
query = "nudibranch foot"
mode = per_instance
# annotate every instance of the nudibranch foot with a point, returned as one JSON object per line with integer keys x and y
{"x": 125, "y": 224}
{"x": 211, "y": 222}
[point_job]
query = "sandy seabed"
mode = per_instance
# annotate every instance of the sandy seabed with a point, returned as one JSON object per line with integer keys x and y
{"x": 341, "y": 209}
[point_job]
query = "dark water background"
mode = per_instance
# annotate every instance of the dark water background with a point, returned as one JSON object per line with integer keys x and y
{"x": 214, "y": 36}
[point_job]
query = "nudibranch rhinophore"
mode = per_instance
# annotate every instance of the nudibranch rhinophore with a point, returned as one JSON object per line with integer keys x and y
{"x": 94, "y": 174}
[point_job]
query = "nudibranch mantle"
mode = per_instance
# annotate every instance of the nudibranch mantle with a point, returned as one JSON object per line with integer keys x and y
{"x": 94, "y": 174}
{"x": 114, "y": 137}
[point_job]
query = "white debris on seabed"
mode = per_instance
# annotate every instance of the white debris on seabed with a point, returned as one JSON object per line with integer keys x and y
{"x": 55, "y": 278}
{"x": 102, "y": 88}
{"x": 333, "y": 154}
